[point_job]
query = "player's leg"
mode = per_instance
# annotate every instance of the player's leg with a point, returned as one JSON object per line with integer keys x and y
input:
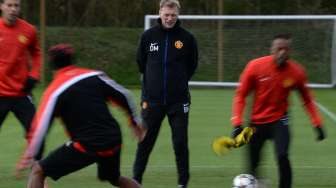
{"x": 261, "y": 134}
{"x": 5, "y": 106}
{"x": 152, "y": 116}
{"x": 36, "y": 177}
{"x": 63, "y": 161}
{"x": 24, "y": 110}
{"x": 178, "y": 115}
{"x": 109, "y": 169}
{"x": 281, "y": 141}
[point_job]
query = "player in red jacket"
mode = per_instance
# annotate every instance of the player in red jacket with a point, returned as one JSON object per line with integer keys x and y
{"x": 20, "y": 64}
{"x": 271, "y": 78}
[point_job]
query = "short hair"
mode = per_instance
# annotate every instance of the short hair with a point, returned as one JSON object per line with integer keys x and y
{"x": 61, "y": 55}
{"x": 286, "y": 36}
{"x": 2, "y": 1}
{"x": 170, "y": 3}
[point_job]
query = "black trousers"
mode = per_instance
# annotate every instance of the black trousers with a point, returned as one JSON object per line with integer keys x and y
{"x": 153, "y": 115}
{"x": 278, "y": 132}
{"x": 23, "y": 109}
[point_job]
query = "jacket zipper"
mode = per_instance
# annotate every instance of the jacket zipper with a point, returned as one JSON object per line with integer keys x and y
{"x": 165, "y": 62}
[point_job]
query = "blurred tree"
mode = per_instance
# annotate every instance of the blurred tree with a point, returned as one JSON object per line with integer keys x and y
{"x": 130, "y": 13}
{"x": 30, "y": 11}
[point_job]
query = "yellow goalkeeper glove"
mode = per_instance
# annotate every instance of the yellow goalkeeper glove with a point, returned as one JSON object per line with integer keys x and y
{"x": 244, "y": 137}
{"x": 222, "y": 145}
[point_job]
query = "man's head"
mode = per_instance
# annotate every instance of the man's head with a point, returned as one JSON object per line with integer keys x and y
{"x": 61, "y": 55}
{"x": 280, "y": 48}
{"x": 10, "y": 10}
{"x": 169, "y": 11}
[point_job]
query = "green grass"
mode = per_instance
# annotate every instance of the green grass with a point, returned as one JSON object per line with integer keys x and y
{"x": 314, "y": 164}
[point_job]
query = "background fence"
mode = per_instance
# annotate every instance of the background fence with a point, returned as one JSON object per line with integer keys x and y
{"x": 105, "y": 32}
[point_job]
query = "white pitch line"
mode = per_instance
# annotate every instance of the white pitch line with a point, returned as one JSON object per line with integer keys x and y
{"x": 331, "y": 115}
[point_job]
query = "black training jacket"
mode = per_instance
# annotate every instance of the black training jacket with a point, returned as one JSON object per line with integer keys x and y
{"x": 167, "y": 58}
{"x": 79, "y": 98}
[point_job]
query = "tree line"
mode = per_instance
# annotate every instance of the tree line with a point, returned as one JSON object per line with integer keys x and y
{"x": 130, "y": 13}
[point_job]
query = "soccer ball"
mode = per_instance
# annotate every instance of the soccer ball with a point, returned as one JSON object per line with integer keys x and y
{"x": 245, "y": 181}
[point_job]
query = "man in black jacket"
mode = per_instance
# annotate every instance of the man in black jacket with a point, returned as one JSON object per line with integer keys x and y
{"x": 167, "y": 59}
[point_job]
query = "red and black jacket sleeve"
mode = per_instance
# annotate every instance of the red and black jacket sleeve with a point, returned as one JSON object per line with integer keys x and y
{"x": 120, "y": 96}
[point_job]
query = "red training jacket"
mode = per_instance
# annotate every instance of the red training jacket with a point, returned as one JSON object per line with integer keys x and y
{"x": 272, "y": 85}
{"x": 18, "y": 47}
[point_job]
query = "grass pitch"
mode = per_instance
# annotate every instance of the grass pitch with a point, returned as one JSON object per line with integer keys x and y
{"x": 314, "y": 164}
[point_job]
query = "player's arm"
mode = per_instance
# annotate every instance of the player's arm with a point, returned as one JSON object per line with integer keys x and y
{"x": 310, "y": 106}
{"x": 35, "y": 53}
{"x": 124, "y": 99}
{"x": 142, "y": 54}
{"x": 246, "y": 83}
{"x": 40, "y": 125}
{"x": 193, "y": 57}
{"x": 35, "y": 71}
{"x": 308, "y": 101}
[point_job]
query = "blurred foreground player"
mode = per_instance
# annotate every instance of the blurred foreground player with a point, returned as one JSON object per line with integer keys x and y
{"x": 272, "y": 78}
{"x": 78, "y": 97}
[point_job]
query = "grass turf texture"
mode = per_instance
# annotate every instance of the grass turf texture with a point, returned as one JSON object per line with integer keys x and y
{"x": 314, "y": 164}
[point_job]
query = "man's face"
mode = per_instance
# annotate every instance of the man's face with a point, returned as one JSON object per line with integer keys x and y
{"x": 168, "y": 16}
{"x": 280, "y": 50}
{"x": 10, "y": 10}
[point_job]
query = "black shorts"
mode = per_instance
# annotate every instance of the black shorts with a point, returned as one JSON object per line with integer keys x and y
{"x": 66, "y": 159}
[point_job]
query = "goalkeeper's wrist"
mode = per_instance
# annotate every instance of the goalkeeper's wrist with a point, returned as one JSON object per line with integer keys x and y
{"x": 237, "y": 129}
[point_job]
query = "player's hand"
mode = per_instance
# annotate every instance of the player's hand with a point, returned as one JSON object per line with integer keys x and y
{"x": 29, "y": 85}
{"x": 24, "y": 164}
{"x": 236, "y": 131}
{"x": 222, "y": 145}
{"x": 244, "y": 137}
{"x": 320, "y": 133}
{"x": 139, "y": 132}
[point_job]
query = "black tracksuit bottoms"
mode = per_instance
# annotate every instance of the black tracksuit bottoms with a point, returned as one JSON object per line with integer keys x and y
{"x": 23, "y": 109}
{"x": 153, "y": 115}
{"x": 277, "y": 131}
